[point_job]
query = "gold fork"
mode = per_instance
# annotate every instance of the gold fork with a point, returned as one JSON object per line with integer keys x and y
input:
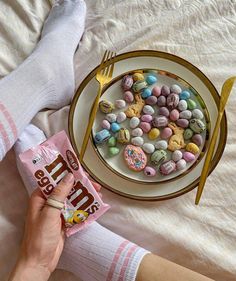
{"x": 103, "y": 76}
{"x": 225, "y": 92}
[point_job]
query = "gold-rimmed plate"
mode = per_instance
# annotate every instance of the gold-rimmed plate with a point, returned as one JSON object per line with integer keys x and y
{"x": 81, "y": 106}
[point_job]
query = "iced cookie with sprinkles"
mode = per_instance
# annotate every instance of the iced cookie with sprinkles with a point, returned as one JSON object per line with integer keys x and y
{"x": 135, "y": 158}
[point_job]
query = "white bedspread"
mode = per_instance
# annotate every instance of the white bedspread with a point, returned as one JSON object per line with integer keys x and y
{"x": 202, "y": 238}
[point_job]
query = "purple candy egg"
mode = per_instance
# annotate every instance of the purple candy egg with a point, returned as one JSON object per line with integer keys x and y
{"x": 188, "y": 156}
{"x": 165, "y": 90}
{"x": 127, "y": 82}
{"x": 128, "y": 96}
{"x": 183, "y": 123}
{"x": 151, "y": 100}
{"x": 145, "y": 126}
{"x": 164, "y": 111}
{"x": 106, "y": 125}
{"x": 159, "y": 121}
{"x": 197, "y": 139}
{"x": 166, "y": 133}
{"x": 146, "y": 118}
{"x": 161, "y": 101}
{"x": 172, "y": 101}
{"x": 149, "y": 171}
{"x": 168, "y": 167}
{"x": 156, "y": 91}
{"x": 174, "y": 115}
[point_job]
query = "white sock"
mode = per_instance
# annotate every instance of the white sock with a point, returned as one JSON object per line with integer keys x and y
{"x": 46, "y": 78}
{"x": 95, "y": 253}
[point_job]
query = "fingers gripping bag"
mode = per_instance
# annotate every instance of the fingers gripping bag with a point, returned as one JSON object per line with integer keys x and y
{"x": 48, "y": 163}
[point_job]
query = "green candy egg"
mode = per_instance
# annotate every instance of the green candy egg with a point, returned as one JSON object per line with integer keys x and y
{"x": 111, "y": 142}
{"x": 158, "y": 156}
{"x": 113, "y": 151}
{"x": 188, "y": 133}
{"x": 191, "y": 104}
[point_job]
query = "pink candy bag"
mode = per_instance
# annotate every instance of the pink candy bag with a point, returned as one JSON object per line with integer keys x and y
{"x": 49, "y": 162}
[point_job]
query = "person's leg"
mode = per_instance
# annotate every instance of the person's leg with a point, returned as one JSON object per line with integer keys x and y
{"x": 46, "y": 78}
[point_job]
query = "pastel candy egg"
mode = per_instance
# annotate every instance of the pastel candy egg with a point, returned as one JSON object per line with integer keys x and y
{"x": 134, "y": 122}
{"x": 185, "y": 114}
{"x": 146, "y": 93}
{"x": 146, "y": 118}
{"x": 115, "y": 127}
{"x": 120, "y": 104}
{"x": 174, "y": 115}
{"x": 111, "y": 141}
{"x": 111, "y": 117}
{"x": 138, "y": 76}
{"x": 137, "y": 141}
{"x": 188, "y": 133}
{"x": 151, "y": 100}
{"x": 151, "y": 79}
{"x": 182, "y": 105}
{"x": 197, "y": 113}
{"x": 181, "y": 164}
{"x": 188, "y": 156}
{"x": 148, "y": 148}
{"x": 172, "y": 101}
{"x": 175, "y": 89}
{"x": 162, "y": 144}
{"x": 197, "y": 125}
{"x": 164, "y": 111}
{"x": 139, "y": 86}
{"x": 167, "y": 167}
{"x": 158, "y": 156}
{"x": 147, "y": 109}
{"x": 138, "y": 132}
{"x": 183, "y": 123}
{"x": 106, "y": 106}
{"x": 153, "y": 134}
{"x": 166, "y": 133}
{"x": 159, "y": 121}
{"x": 149, "y": 171}
{"x": 123, "y": 136}
{"x": 145, "y": 126}
{"x": 102, "y": 136}
{"x": 177, "y": 155}
{"x": 185, "y": 95}
{"x": 161, "y": 101}
{"x": 193, "y": 148}
{"x": 121, "y": 117}
{"x": 197, "y": 138}
{"x": 127, "y": 82}
{"x": 165, "y": 90}
{"x": 128, "y": 96}
{"x": 156, "y": 91}
{"x": 106, "y": 124}
{"x": 191, "y": 104}
{"x": 135, "y": 158}
{"x": 112, "y": 151}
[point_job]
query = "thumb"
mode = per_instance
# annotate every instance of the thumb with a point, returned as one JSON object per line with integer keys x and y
{"x": 62, "y": 190}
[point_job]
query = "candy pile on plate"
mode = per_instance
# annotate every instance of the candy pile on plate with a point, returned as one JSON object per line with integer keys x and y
{"x": 158, "y": 128}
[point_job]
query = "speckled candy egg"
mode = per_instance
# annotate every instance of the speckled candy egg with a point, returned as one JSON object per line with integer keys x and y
{"x": 135, "y": 158}
{"x": 188, "y": 156}
{"x": 121, "y": 117}
{"x": 172, "y": 101}
{"x": 138, "y": 76}
{"x": 162, "y": 144}
{"x": 115, "y": 127}
{"x": 188, "y": 133}
{"x": 158, "y": 156}
{"x": 182, "y": 105}
{"x": 138, "y": 132}
{"x": 128, "y": 96}
{"x": 148, "y": 109}
{"x": 106, "y": 106}
{"x": 183, "y": 123}
{"x": 148, "y": 148}
{"x": 134, "y": 122}
{"x": 138, "y": 141}
{"x": 164, "y": 111}
{"x": 185, "y": 114}
{"x": 151, "y": 100}
{"x": 139, "y": 86}
{"x": 145, "y": 126}
{"x": 191, "y": 104}
{"x": 151, "y": 79}
{"x": 149, "y": 171}
{"x": 185, "y": 95}
{"x": 197, "y": 125}
{"x": 193, "y": 148}
{"x": 153, "y": 134}
{"x": 165, "y": 90}
{"x": 181, "y": 164}
{"x": 159, "y": 121}
{"x": 177, "y": 155}
{"x": 161, "y": 101}
{"x": 197, "y": 138}
{"x": 197, "y": 114}
{"x": 167, "y": 167}
{"x": 175, "y": 89}
{"x": 127, "y": 82}
{"x": 174, "y": 115}
{"x": 166, "y": 133}
{"x": 111, "y": 117}
{"x": 106, "y": 124}
{"x": 146, "y": 118}
{"x": 156, "y": 91}
{"x": 120, "y": 104}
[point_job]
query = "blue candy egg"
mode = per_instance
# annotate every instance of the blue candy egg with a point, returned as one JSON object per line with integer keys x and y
{"x": 102, "y": 136}
{"x": 115, "y": 127}
{"x": 150, "y": 79}
{"x": 184, "y": 95}
{"x": 146, "y": 93}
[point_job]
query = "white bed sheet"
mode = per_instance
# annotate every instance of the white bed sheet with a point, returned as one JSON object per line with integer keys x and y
{"x": 202, "y": 238}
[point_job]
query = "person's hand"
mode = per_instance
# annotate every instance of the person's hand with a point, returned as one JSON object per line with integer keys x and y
{"x": 44, "y": 236}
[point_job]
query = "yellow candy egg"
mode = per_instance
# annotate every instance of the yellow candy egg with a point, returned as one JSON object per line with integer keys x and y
{"x": 138, "y": 76}
{"x": 153, "y": 134}
{"x": 192, "y": 147}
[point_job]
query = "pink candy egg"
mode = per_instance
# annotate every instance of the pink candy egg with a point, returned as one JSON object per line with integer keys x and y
{"x": 164, "y": 111}
{"x": 146, "y": 118}
{"x": 172, "y": 101}
{"x": 167, "y": 167}
{"x": 156, "y": 91}
{"x": 159, "y": 121}
{"x": 128, "y": 96}
{"x": 174, "y": 115}
{"x": 106, "y": 125}
{"x": 151, "y": 100}
{"x": 183, "y": 123}
{"x": 166, "y": 133}
{"x": 127, "y": 82}
{"x": 145, "y": 126}
{"x": 149, "y": 171}
{"x": 188, "y": 156}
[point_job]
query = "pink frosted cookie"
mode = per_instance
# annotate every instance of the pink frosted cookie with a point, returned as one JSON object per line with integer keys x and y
{"x": 135, "y": 158}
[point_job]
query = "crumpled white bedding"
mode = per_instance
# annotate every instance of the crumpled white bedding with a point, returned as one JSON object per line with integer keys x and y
{"x": 202, "y": 238}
